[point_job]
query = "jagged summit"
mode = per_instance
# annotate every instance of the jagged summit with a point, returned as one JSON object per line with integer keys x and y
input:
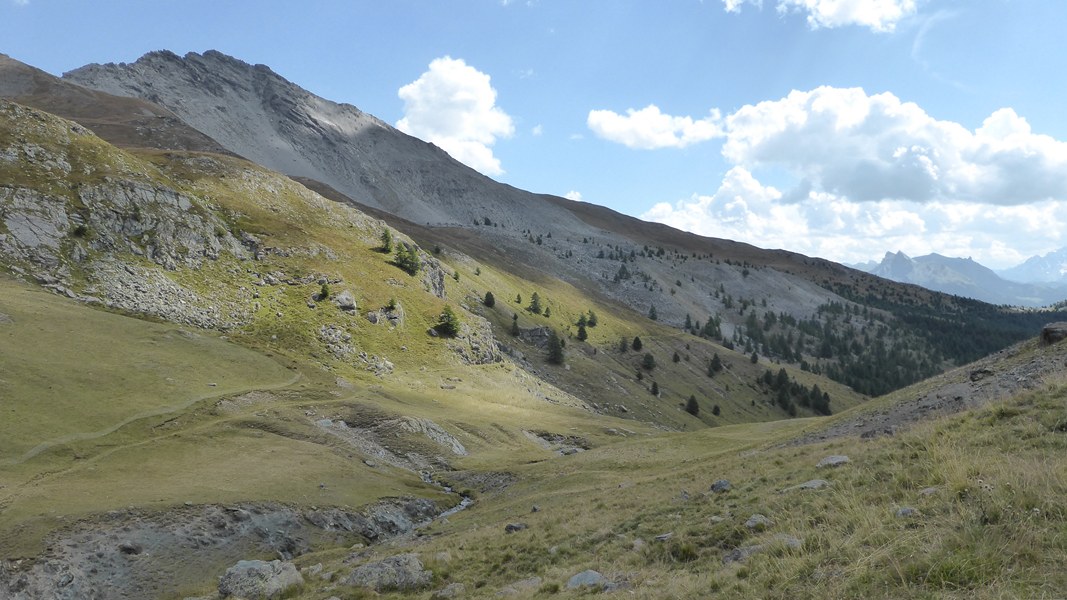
{"x": 258, "y": 114}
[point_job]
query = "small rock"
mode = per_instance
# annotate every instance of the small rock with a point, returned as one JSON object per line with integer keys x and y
{"x": 906, "y": 512}
{"x": 513, "y": 527}
{"x": 523, "y": 585}
{"x": 130, "y": 548}
{"x": 980, "y": 374}
{"x": 535, "y": 508}
{"x": 758, "y": 522}
{"x": 663, "y": 537}
{"x": 814, "y": 484}
{"x": 721, "y": 486}
{"x": 452, "y": 590}
{"x": 587, "y": 578}
{"x": 929, "y": 491}
{"x": 835, "y": 460}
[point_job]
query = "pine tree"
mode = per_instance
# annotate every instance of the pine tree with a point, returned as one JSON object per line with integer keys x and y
{"x": 676, "y": 357}
{"x": 691, "y": 406}
{"x": 715, "y": 365}
{"x": 592, "y": 319}
{"x": 715, "y": 410}
{"x": 515, "y": 325}
{"x": 582, "y": 321}
{"x": 548, "y": 311}
{"x": 636, "y": 345}
{"x": 535, "y": 304}
{"x": 624, "y": 345}
{"x": 582, "y": 333}
{"x": 448, "y": 325}
{"x": 490, "y": 300}
{"x": 555, "y": 349}
{"x": 518, "y": 298}
{"x": 755, "y": 358}
{"x": 688, "y": 322}
{"x": 655, "y": 389}
{"x": 648, "y": 362}
{"x": 407, "y": 258}
{"x": 387, "y": 242}
{"x": 652, "y": 313}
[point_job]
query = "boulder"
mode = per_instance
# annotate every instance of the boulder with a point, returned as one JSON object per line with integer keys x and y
{"x": 1053, "y": 332}
{"x": 758, "y": 522}
{"x": 258, "y": 579}
{"x": 452, "y": 590}
{"x": 588, "y": 578}
{"x": 345, "y": 301}
{"x": 513, "y": 527}
{"x": 814, "y": 484}
{"x": 835, "y": 460}
{"x": 721, "y": 486}
{"x": 400, "y": 572}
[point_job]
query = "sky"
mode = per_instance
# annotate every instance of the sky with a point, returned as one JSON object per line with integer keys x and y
{"x": 843, "y": 129}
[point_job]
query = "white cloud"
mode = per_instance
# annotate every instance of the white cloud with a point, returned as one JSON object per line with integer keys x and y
{"x": 573, "y": 195}
{"x": 453, "y": 105}
{"x": 648, "y": 128}
{"x": 537, "y": 130}
{"x": 878, "y": 15}
{"x": 874, "y": 174}
{"x": 833, "y": 227}
{"x": 21, "y": 2}
{"x": 876, "y": 147}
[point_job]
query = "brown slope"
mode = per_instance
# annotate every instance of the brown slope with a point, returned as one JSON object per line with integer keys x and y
{"x": 125, "y": 122}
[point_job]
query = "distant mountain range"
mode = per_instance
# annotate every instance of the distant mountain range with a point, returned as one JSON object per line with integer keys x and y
{"x": 1037, "y": 282}
{"x": 1050, "y": 268}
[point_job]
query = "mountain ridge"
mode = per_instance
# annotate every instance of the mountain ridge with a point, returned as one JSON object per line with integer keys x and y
{"x": 965, "y": 277}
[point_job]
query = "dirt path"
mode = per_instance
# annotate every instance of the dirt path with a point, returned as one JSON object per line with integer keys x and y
{"x": 166, "y": 410}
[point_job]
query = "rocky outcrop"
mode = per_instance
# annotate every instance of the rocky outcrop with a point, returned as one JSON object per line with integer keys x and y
{"x": 400, "y": 572}
{"x": 139, "y": 554}
{"x": 259, "y": 580}
{"x": 1053, "y": 332}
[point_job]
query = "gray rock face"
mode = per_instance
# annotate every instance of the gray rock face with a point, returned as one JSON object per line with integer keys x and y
{"x": 259, "y": 115}
{"x": 400, "y": 572}
{"x": 259, "y": 580}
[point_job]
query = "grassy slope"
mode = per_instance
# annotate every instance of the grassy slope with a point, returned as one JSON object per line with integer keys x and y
{"x": 993, "y": 526}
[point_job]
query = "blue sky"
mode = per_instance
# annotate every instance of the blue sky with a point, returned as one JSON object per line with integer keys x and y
{"x": 835, "y": 128}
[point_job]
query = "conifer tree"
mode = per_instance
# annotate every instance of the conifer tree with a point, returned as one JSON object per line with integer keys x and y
{"x": 555, "y": 348}
{"x": 636, "y": 345}
{"x": 691, "y": 406}
{"x": 490, "y": 300}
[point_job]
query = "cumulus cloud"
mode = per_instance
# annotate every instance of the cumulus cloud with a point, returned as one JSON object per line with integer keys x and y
{"x": 649, "y": 128}
{"x": 573, "y": 195}
{"x": 833, "y": 227}
{"x": 876, "y": 147}
{"x": 871, "y": 173}
{"x": 878, "y": 15}
{"x": 454, "y": 106}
